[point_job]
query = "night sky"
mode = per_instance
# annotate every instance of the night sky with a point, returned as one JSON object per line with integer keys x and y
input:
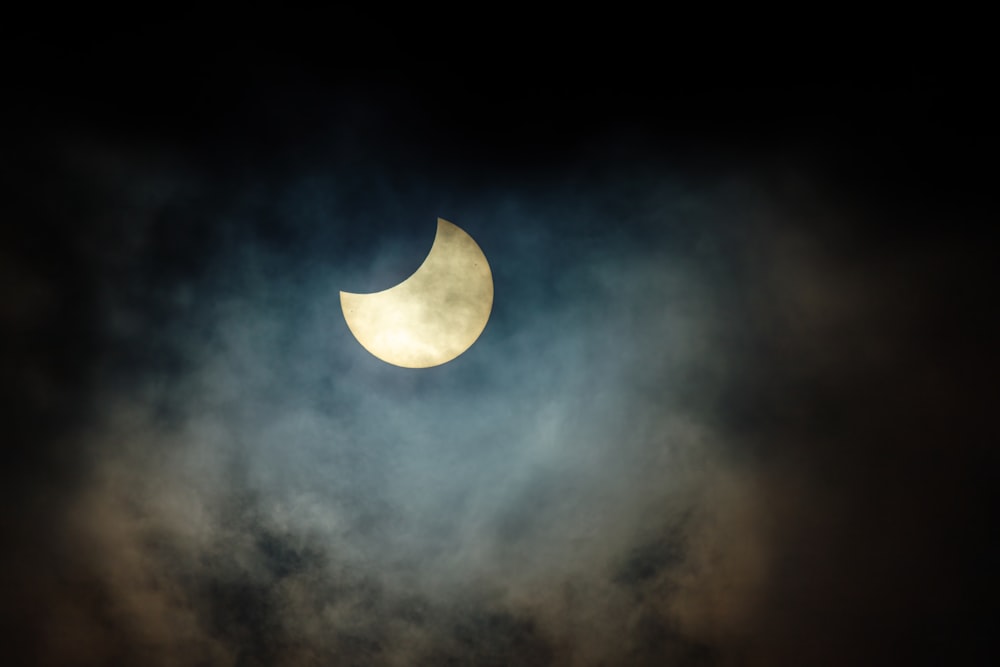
{"x": 731, "y": 406}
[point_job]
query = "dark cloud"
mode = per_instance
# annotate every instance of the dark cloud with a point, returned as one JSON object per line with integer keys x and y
{"x": 728, "y": 408}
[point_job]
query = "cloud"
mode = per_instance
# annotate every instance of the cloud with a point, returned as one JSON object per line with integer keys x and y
{"x": 679, "y": 439}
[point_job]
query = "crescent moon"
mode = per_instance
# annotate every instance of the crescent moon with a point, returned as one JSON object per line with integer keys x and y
{"x": 434, "y": 315}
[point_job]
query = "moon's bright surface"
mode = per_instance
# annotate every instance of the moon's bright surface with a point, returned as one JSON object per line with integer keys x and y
{"x": 434, "y": 315}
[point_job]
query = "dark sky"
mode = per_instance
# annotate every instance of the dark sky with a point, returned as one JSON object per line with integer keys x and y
{"x": 730, "y": 407}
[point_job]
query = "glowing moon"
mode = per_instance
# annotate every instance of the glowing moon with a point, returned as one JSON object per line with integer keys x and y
{"x": 434, "y": 315}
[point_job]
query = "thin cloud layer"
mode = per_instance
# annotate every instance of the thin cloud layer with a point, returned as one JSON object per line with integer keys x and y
{"x": 700, "y": 428}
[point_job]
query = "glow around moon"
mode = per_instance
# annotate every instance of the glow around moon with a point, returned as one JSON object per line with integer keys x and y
{"x": 434, "y": 315}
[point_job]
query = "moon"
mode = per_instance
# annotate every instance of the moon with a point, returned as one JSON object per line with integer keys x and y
{"x": 434, "y": 315}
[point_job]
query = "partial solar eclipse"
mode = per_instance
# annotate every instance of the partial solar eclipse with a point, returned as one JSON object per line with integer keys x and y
{"x": 434, "y": 315}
